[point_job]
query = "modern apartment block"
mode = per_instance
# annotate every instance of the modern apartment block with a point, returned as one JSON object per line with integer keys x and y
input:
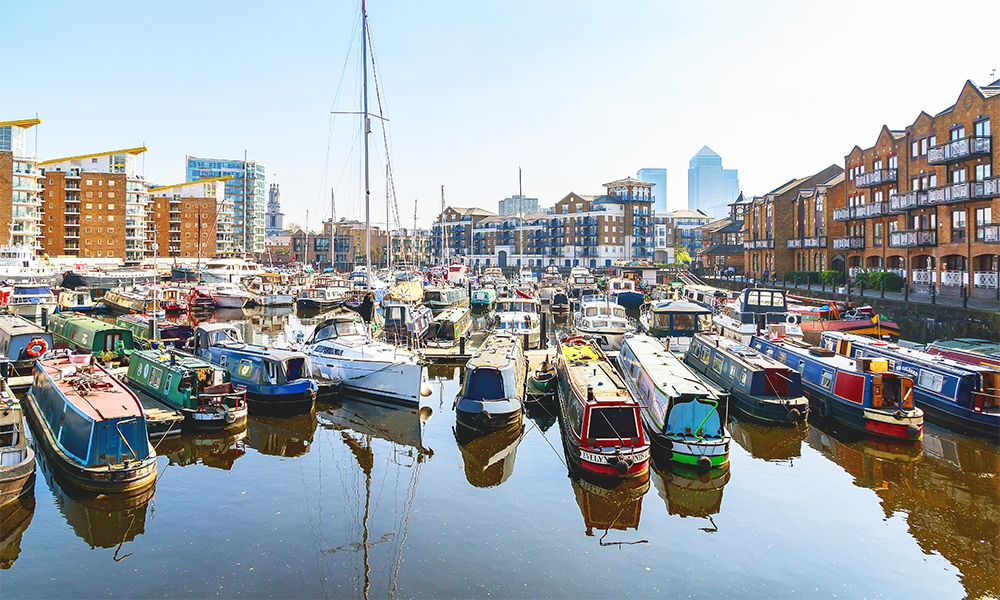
{"x": 768, "y": 224}
{"x": 592, "y": 231}
{"x": 184, "y": 218}
{"x": 95, "y": 205}
{"x": 711, "y": 189}
{"x": 924, "y": 201}
{"x": 20, "y": 188}
{"x": 658, "y": 177}
{"x": 518, "y": 204}
{"x": 245, "y": 203}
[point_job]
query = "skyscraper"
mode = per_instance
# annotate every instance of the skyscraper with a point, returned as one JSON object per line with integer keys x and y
{"x": 658, "y": 177}
{"x": 246, "y": 195}
{"x": 710, "y": 187}
{"x": 275, "y": 218}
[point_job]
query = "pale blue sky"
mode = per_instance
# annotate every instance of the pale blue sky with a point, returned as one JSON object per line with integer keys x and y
{"x": 576, "y": 93}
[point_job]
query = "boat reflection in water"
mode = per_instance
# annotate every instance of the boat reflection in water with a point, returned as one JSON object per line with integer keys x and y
{"x": 103, "y": 521}
{"x": 288, "y": 436}
{"x": 690, "y": 494}
{"x": 606, "y": 508}
{"x": 382, "y": 442}
{"x": 217, "y": 449}
{"x": 543, "y": 414}
{"x": 441, "y": 372}
{"x": 773, "y": 444}
{"x": 489, "y": 459}
{"x": 14, "y": 520}
{"x": 949, "y": 495}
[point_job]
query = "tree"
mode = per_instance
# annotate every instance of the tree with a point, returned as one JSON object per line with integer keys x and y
{"x": 681, "y": 255}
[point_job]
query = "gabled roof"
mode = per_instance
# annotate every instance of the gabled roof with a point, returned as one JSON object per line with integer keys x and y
{"x": 741, "y": 200}
{"x": 725, "y": 249}
{"x": 471, "y": 212}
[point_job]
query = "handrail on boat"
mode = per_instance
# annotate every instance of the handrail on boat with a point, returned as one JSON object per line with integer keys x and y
{"x": 715, "y": 407}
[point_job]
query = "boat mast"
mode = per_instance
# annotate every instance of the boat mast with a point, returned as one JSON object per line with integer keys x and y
{"x": 444, "y": 236}
{"x": 367, "y": 129}
{"x": 388, "y": 221}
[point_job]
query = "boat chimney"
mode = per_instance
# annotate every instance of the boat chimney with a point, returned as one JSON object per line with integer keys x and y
{"x": 590, "y": 393}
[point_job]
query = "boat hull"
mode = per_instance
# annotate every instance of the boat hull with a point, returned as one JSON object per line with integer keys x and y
{"x": 629, "y": 300}
{"x": 17, "y": 480}
{"x": 870, "y": 422}
{"x": 398, "y": 383}
{"x": 32, "y": 310}
{"x": 231, "y": 301}
{"x": 73, "y": 279}
{"x": 281, "y": 404}
{"x": 311, "y": 303}
{"x": 765, "y": 410}
{"x": 812, "y": 331}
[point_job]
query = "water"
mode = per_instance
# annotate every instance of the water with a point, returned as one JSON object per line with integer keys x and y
{"x": 354, "y": 500}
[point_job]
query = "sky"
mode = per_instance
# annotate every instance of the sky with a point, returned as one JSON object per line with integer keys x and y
{"x": 574, "y": 93}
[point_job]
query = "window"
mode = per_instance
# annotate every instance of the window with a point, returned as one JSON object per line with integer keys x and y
{"x": 984, "y": 216}
{"x": 983, "y": 171}
{"x": 222, "y": 361}
{"x": 743, "y": 377}
{"x": 932, "y": 140}
{"x": 930, "y": 380}
{"x": 877, "y": 234}
{"x": 704, "y": 355}
{"x": 958, "y": 226}
{"x": 923, "y": 146}
{"x": 982, "y": 128}
{"x": 717, "y": 364}
{"x": 826, "y": 378}
{"x": 893, "y": 161}
{"x": 154, "y": 377}
{"x": 914, "y": 149}
{"x": 802, "y": 365}
{"x": 958, "y": 133}
{"x": 245, "y": 368}
{"x": 166, "y": 384}
{"x": 111, "y": 218}
{"x": 89, "y": 206}
{"x": 958, "y": 176}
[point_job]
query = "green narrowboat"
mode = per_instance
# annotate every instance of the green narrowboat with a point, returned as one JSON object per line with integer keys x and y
{"x": 201, "y": 391}
{"x": 107, "y": 342}
{"x": 167, "y": 332}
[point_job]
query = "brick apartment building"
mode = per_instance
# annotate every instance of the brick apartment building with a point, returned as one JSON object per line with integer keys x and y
{"x": 20, "y": 188}
{"x": 923, "y": 202}
{"x": 184, "y": 216}
{"x": 723, "y": 240}
{"x": 769, "y": 223}
{"x": 95, "y": 205}
{"x": 813, "y": 230}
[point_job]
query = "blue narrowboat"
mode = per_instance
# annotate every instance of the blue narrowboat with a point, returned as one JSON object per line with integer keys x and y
{"x": 90, "y": 425}
{"x": 761, "y": 387}
{"x": 953, "y": 394}
{"x": 21, "y": 342}
{"x": 863, "y": 395}
{"x": 277, "y": 381}
{"x": 493, "y": 395}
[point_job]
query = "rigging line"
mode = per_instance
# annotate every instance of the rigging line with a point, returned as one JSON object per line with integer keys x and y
{"x": 406, "y": 526}
{"x": 189, "y": 51}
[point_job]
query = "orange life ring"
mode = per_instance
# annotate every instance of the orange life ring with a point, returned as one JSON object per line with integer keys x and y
{"x": 36, "y": 347}
{"x": 574, "y": 340}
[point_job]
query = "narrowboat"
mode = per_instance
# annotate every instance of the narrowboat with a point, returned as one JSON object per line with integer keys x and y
{"x": 75, "y": 300}
{"x": 675, "y": 321}
{"x": 484, "y": 298}
{"x": 90, "y": 425}
{"x": 439, "y": 298}
{"x": 759, "y": 386}
{"x": 492, "y": 396}
{"x": 521, "y": 317}
{"x": 601, "y": 425}
{"x": 320, "y": 297}
{"x": 166, "y": 333}
{"x": 277, "y": 381}
{"x": 17, "y": 459}
{"x": 624, "y": 292}
{"x": 106, "y": 341}
{"x": 681, "y": 415}
{"x": 21, "y": 342}
{"x": 342, "y": 354}
{"x": 603, "y": 319}
{"x": 405, "y": 323}
{"x": 956, "y": 395}
{"x": 31, "y": 301}
{"x": 968, "y": 350}
{"x": 753, "y": 312}
{"x": 201, "y": 391}
{"x": 863, "y": 395}
{"x": 200, "y": 297}
{"x": 489, "y": 459}
{"x": 448, "y": 326}
{"x": 559, "y": 302}
{"x": 133, "y": 299}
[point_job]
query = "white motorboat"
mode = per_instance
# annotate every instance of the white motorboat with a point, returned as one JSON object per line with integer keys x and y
{"x": 30, "y": 301}
{"x": 602, "y": 318}
{"x": 18, "y": 264}
{"x": 342, "y": 352}
{"x": 753, "y": 312}
{"x": 228, "y": 295}
{"x": 549, "y": 283}
{"x": 231, "y": 270}
{"x": 520, "y": 317}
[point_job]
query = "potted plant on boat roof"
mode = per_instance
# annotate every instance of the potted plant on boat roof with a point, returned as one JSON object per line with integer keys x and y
{"x": 106, "y": 357}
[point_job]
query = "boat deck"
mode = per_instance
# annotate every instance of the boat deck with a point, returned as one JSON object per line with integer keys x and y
{"x": 108, "y": 397}
{"x": 744, "y": 355}
{"x": 587, "y": 369}
{"x": 454, "y": 354}
{"x": 161, "y": 421}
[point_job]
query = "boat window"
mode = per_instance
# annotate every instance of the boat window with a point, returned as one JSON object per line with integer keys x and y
{"x": 484, "y": 384}
{"x": 930, "y": 380}
{"x": 432, "y": 296}
{"x": 704, "y": 355}
{"x": 705, "y": 322}
{"x": 245, "y": 368}
{"x": 661, "y": 321}
{"x": 325, "y": 333}
{"x": 683, "y": 322}
{"x": 269, "y": 374}
{"x": 826, "y": 378}
{"x": 743, "y": 377}
{"x": 166, "y": 385}
{"x": 154, "y": 377}
{"x": 145, "y": 371}
{"x": 222, "y": 361}
{"x": 619, "y": 312}
{"x": 83, "y": 338}
{"x": 590, "y": 312}
{"x": 612, "y": 423}
{"x": 349, "y": 328}
{"x": 802, "y": 365}
{"x": 782, "y": 356}
{"x": 294, "y": 368}
{"x": 717, "y": 364}
{"x": 732, "y": 371}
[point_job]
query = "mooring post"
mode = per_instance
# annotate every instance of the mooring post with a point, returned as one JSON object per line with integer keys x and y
{"x": 543, "y": 339}
{"x": 461, "y": 345}
{"x": 45, "y": 317}
{"x": 965, "y": 297}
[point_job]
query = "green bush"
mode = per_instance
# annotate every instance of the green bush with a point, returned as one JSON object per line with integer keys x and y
{"x": 832, "y": 277}
{"x": 803, "y": 276}
{"x": 873, "y": 279}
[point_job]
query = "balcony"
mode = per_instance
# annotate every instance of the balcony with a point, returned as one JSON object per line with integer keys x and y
{"x": 72, "y": 186}
{"x": 987, "y": 188}
{"x": 946, "y": 194}
{"x": 913, "y": 238}
{"x": 759, "y": 244}
{"x": 848, "y": 243}
{"x": 960, "y": 149}
{"x": 875, "y": 178}
{"x": 807, "y": 242}
{"x": 844, "y": 213}
{"x": 988, "y": 234}
{"x": 906, "y": 200}
{"x": 861, "y": 211}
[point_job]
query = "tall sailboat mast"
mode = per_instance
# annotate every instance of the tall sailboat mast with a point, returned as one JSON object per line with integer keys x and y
{"x": 368, "y": 126}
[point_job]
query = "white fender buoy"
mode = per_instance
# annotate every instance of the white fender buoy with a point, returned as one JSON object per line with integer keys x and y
{"x": 425, "y": 389}
{"x": 792, "y": 319}
{"x": 426, "y": 413}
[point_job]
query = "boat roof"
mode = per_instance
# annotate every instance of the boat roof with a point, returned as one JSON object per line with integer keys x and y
{"x": 116, "y": 402}
{"x": 588, "y": 369}
{"x": 971, "y": 345}
{"x": 926, "y": 359}
{"x": 742, "y": 354}
{"x": 262, "y": 351}
{"x": 17, "y": 325}
{"x": 497, "y": 351}
{"x": 452, "y": 314}
{"x": 84, "y": 321}
{"x": 837, "y": 361}
{"x": 181, "y": 359}
{"x": 665, "y": 369}
{"x": 679, "y": 306}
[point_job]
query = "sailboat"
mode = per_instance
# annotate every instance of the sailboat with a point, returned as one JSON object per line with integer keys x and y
{"x": 341, "y": 348}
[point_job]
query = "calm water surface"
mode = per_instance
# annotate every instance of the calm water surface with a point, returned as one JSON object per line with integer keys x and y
{"x": 356, "y": 500}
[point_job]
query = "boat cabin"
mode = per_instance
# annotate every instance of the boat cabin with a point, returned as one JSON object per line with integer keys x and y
{"x": 676, "y": 319}
{"x": 21, "y": 342}
{"x": 405, "y": 321}
{"x": 100, "y": 337}
{"x": 440, "y": 298}
{"x": 167, "y": 332}
{"x": 450, "y": 325}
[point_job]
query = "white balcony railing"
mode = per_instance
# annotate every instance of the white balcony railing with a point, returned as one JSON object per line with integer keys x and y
{"x": 925, "y": 276}
{"x": 954, "y": 278}
{"x": 985, "y": 279}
